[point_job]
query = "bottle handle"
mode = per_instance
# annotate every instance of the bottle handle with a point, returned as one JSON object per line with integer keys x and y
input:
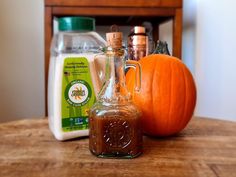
{"x": 137, "y": 67}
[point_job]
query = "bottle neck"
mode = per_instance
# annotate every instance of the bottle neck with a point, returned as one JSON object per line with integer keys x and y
{"x": 114, "y": 89}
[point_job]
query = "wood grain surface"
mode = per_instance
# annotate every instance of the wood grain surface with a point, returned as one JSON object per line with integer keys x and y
{"x": 206, "y": 148}
{"x": 116, "y": 3}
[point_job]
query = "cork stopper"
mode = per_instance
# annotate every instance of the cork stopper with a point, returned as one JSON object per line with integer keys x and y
{"x": 114, "y": 39}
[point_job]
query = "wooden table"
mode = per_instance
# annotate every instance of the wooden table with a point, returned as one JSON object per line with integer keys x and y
{"x": 206, "y": 148}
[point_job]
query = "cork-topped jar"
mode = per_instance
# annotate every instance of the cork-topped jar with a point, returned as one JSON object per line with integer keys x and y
{"x": 114, "y": 120}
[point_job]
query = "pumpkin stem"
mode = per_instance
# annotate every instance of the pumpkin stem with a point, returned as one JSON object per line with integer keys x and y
{"x": 161, "y": 48}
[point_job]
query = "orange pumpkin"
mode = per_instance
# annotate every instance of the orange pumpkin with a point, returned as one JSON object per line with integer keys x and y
{"x": 167, "y": 97}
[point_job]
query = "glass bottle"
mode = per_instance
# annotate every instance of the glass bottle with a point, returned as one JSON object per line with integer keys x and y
{"x": 114, "y": 120}
{"x": 137, "y": 43}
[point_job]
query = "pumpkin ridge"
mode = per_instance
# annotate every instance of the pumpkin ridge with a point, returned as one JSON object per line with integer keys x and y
{"x": 192, "y": 92}
{"x": 185, "y": 98}
{"x": 171, "y": 94}
{"x": 153, "y": 101}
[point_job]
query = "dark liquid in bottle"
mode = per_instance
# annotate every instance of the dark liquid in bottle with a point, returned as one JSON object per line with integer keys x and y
{"x": 116, "y": 134}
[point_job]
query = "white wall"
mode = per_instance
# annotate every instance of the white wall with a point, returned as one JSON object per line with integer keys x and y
{"x": 189, "y": 34}
{"x": 209, "y": 34}
{"x": 21, "y": 59}
{"x": 215, "y": 65}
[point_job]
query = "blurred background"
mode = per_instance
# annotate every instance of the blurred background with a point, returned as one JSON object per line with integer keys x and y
{"x": 208, "y": 49}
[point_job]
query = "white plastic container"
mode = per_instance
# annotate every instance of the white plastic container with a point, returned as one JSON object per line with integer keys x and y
{"x": 73, "y": 77}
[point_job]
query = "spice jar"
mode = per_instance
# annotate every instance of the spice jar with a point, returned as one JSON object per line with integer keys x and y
{"x": 137, "y": 43}
{"x": 73, "y": 82}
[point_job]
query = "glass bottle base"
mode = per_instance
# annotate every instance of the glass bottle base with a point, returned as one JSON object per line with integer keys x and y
{"x": 117, "y": 155}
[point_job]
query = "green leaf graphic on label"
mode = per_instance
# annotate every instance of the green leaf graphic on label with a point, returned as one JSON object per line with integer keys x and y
{"x": 77, "y": 94}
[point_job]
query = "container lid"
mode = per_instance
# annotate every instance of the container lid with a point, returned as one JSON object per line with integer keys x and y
{"x": 76, "y": 24}
{"x": 138, "y": 29}
{"x": 114, "y": 39}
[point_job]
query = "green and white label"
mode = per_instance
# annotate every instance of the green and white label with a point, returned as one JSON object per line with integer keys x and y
{"x": 77, "y": 94}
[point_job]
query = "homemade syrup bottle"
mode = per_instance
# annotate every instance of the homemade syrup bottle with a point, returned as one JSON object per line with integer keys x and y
{"x": 114, "y": 121}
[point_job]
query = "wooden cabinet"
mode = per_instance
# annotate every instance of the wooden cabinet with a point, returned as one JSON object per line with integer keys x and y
{"x": 120, "y": 12}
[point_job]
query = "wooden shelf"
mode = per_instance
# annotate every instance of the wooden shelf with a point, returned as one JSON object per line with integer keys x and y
{"x": 122, "y": 12}
{"x": 115, "y": 3}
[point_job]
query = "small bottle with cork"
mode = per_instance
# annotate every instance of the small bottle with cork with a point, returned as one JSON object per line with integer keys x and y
{"x": 137, "y": 43}
{"x": 115, "y": 129}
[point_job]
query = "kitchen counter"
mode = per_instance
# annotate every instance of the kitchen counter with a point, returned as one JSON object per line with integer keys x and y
{"x": 207, "y": 147}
